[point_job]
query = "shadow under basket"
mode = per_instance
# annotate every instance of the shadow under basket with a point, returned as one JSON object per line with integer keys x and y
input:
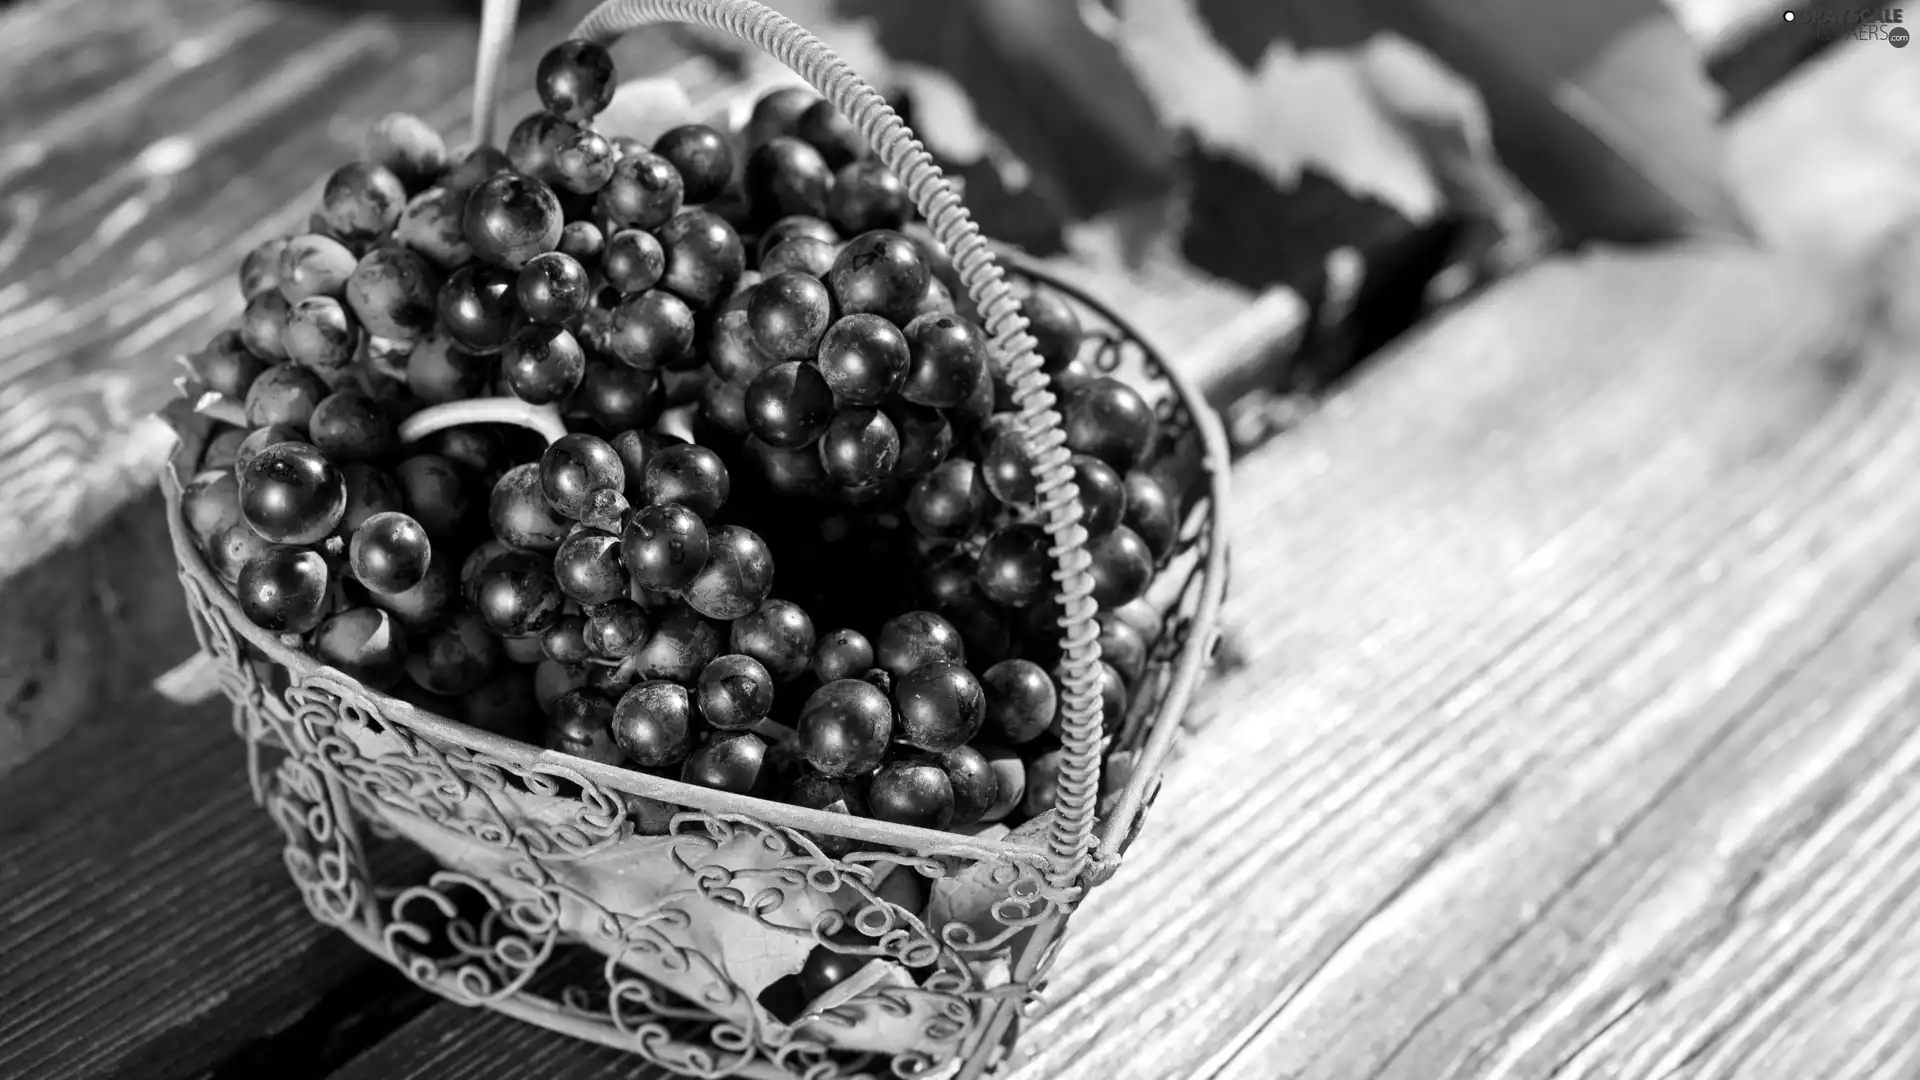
{"x": 674, "y": 921}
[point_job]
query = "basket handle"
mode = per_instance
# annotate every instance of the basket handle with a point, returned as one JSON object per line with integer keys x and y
{"x": 1070, "y": 837}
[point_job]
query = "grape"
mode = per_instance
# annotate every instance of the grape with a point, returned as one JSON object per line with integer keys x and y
{"x": 583, "y": 241}
{"x": 575, "y": 79}
{"x": 262, "y": 437}
{"x": 433, "y": 224}
{"x": 232, "y": 549}
{"x": 1010, "y": 780}
{"x": 566, "y": 640}
{"x": 788, "y": 405}
{"x": 778, "y": 113}
{"x": 736, "y": 692}
{"x": 737, "y": 577}
{"x": 523, "y": 650}
{"x": 665, "y": 546}
{"x": 390, "y": 553}
{"x": 730, "y": 348}
{"x": 701, "y": 156}
{"x": 370, "y": 490}
{"x": 733, "y": 761}
{"x": 844, "y": 727}
{"x": 581, "y": 726}
{"x": 435, "y": 493}
{"x": 1021, "y": 701}
{"x": 653, "y": 724}
{"x": 260, "y": 269}
{"x": 1015, "y": 565}
{"x": 551, "y": 681}
{"x": 881, "y": 272}
{"x": 866, "y": 196}
{"x": 949, "y": 502}
{"x": 1151, "y": 513}
{"x": 456, "y": 658}
{"x": 1011, "y": 468}
{"x": 863, "y": 357}
{"x": 800, "y": 255}
{"x": 859, "y": 447}
{"x": 533, "y": 144}
{"x": 1111, "y": 421}
{"x": 618, "y": 397}
{"x": 589, "y": 569}
{"x": 504, "y": 705}
{"x": 681, "y": 647}
{"x": 778, "y": 634}
{"x": 393, "y": 292}
{"x": 1055, "y": 328}
{"x": 651, "y": 330}
{"x": 209, "y": 503}
{"x": 320, "y": 334}
{"x": 634, "y": 261}
{"x": 976, "y": 788}
{"x": 786, "y": 176}
{"x": 830, "y": 134}
{"x": 796, "y": 227}
{"x": 408, "y": 147}
{"x": 925, "y": 438}
{"x": 366, "y": 644}
{"x": 350, "y": 425}
{"x": 915, "y": 639}
{"x": 949, "y": 360}
{"x": 940, "y": 706}
{"x": 553, "y": 288}
{"x": 723, "y": 406}
{"x": 1103, "y": 495}
{"x": 574, "y": 467}
{"x": 542, "y": 363}
{"x": 690, "y": 475}
{"x": 284, "y": 589}
{"x": 484, "y": 558}
{"x": 519, "y": 597}
{"x": 1123, "y": 646}
{"x": 826, "y": 794}
{"x": 313, "y": 265}
{"x": 645, "y": 192}
{"x": 937, "y": 300}
{"x": 616, "y": 629}
{"x": 511, "y": 218}
{"x": 789, "y": 312}
{"x": 291, "y": 494}
{"x": 426, "y": 603}
{"x": 221, "y": 449}
{"x": 470, "y": 165}
{"x": 841, "y": 654}
{"x": 226, "y": 365}
{"x": 261, "y": 324}
{"x": 704, "y": 257}
{"x": 636, "y": 449}
{"x": 914, "y": 791}
{"x": 476, "y": 307}
{"x": 438, "y": 371}
{"x": 362, "y": 201}
{"x": 584, "y": 163}
{"x": 790, "y": 472}
{"x": 520, "y": 513}
{"x": 1122, "y": 567}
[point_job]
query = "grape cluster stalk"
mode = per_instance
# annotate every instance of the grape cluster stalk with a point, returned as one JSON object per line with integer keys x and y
{"x": 527, "y": 432}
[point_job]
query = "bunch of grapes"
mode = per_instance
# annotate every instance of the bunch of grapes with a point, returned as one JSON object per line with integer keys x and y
{"x": 698, "y": 360}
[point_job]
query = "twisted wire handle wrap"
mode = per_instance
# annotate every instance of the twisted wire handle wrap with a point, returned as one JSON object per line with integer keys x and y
{"x": 1070, "y": 837}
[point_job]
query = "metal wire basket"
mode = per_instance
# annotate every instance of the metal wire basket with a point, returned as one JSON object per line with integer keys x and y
{"x": 669, "y": 919}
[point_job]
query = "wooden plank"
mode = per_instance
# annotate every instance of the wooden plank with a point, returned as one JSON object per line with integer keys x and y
{"x": 149, "y": 927}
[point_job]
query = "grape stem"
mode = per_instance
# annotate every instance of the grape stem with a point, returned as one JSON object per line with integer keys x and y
{"x": 544, "y": 419}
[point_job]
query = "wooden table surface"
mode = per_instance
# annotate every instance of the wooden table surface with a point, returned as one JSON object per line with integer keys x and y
{"x": 1569, "y": 726}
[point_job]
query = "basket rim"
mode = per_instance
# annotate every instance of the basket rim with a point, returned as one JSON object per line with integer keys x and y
{"x": 1188, "y": 670}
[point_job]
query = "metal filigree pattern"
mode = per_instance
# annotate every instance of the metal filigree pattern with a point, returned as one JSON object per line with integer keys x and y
{"x": 649, "y": 916}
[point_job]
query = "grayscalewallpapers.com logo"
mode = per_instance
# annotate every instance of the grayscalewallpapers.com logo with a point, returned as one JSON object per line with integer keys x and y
{"x": 1866, "y": 24}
